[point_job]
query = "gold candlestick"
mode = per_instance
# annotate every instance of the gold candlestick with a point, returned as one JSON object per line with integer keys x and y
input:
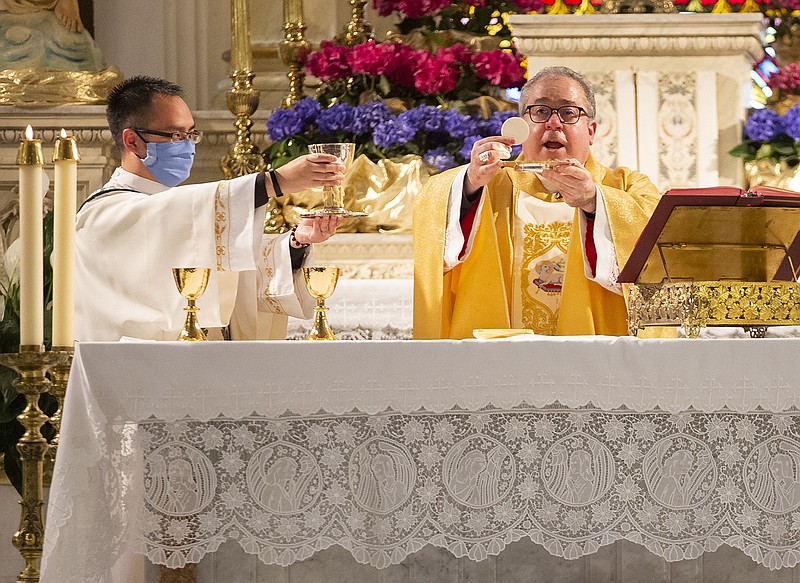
{"x": 32, "y": 364}
{"x": 358, "y": 30}
{"x": 59, "y": 376}
{"x": 293, "y": 52}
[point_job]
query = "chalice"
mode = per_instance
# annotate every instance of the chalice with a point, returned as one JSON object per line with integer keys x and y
{"x": 191, "y": 283}
{"x": 333, "y": 196}
{"x": 320, "y": 282}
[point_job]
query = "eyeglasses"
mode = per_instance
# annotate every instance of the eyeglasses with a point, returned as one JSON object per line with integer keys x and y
{"x": 568, "y": 114}
{"x": 193, "y": 135}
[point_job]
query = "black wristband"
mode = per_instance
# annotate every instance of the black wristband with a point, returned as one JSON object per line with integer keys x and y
{"x": 589, "y": 216}
{"x": 275, "y": 185}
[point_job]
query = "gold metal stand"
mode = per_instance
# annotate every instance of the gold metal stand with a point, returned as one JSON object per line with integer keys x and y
{"x": 59, "y": 376}
{"x": 293, "y": 51}
{"x": 32, "y": 364}
{"x": 358, "y": 30}
{"x": 242, "y": 100}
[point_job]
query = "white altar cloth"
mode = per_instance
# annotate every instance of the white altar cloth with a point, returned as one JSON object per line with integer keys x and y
{"x": 168, "y": 449}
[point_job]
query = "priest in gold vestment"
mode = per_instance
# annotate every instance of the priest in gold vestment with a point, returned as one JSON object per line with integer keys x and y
{"x": 499, "y": 248}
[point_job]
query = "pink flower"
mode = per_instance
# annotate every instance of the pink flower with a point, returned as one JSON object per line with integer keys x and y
{"x": 456, "y": 53}
{"x": 529, "y": 5}
{"x": 369, "y": 58}
{"x": 436, "y": 75}
{"x": 402, "y": 62}
{"x": 787, "y": 79}
{"x": 385, "y": 7}
{"x": 500, "y": 68}
{"x": 330, "y": 62}
{"x": 420, "y": 8}
{"x": 476, "y": 3}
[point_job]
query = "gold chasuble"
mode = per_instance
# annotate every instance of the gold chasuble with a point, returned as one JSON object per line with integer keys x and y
{"x": 510, "y": 277}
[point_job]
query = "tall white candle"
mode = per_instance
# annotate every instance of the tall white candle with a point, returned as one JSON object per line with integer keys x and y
{"x": 65, "y": 158}
{"x": 31, "y": 280}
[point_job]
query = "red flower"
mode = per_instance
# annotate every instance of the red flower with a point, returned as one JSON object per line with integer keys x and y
{"x": 500, "y": 68}
{"x": 402, "y": 62}
{"x": 787, "y": 79}
{"x": 385, "y": 7}
{"x": 456, "y": 53}
{"x": 369, "y": 58}
{"x": 435, "y": 75}
{"x": 330, "y": 62}
{"x": 529, "y": 5}
{"x": 420, "y": 8}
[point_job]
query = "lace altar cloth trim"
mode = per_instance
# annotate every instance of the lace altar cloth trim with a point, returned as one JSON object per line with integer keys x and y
{"x": 384, "y": 486}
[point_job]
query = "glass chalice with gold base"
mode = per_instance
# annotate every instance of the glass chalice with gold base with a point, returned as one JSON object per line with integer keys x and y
{"x": 191, "y": 283}
{"x": 320, "y": 282}
{"x": 333, "y": 196}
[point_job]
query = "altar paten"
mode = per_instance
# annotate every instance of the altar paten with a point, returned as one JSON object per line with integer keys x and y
{"x": 717, "y": 257}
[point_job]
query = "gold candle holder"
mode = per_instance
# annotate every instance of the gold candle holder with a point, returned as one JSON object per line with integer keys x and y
{"x": 59, "y": 376}
{"x": 32, "y": 364}
{"x": 358, "y": 30}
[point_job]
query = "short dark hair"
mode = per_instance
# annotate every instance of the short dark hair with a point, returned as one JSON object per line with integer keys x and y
{"x": 129, "y": 103}
{"x": 549, "y": 72}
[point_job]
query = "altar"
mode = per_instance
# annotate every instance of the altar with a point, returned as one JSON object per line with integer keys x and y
{"x": 387, "y": 449}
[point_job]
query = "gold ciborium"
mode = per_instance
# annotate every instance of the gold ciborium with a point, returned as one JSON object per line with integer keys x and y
{"x": 333, "y": 196}
{"x": 320, "y": 282}
{"x": 191, "y": 283}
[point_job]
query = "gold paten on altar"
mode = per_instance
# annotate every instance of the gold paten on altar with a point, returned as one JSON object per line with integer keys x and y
{"x": 385, "y": 190}
{"x": 723, "y": 265}
{"x": 45, "y": 87}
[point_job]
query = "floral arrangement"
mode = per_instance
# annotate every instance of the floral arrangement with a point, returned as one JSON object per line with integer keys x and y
{"x": 475, "y": 16}
{"x": 770, "y": 134}
{"x": 370, "y": 71}
{"x": 442, "y": 137}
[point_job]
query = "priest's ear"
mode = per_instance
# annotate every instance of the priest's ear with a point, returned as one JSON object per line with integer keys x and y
{"x": 132, "y": 142}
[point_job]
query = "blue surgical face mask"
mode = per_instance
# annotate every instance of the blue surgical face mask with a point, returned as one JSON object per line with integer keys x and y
{"x": 170, "y": 162}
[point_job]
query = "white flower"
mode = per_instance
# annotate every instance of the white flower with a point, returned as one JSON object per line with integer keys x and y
{"x": 746, "y": 429}
{"x": 429, "y": 492}
{"x": 346, "y": 433}
{"x": 231, "y": 462}
{"x": 243, "y": 437}
{"x": 579, "y": 420}
{"x": 548, "y": 512}
{"x": 515, "y": 429}
{"x": 336, "y": 494}
{"x": 478, "y": 422}
{"x": 477, "y": 521}
{"x": 378, "y": 423}
{"x": 382, "y": 528}
{"x": 259, "y": 520}
{"x": 748, "y": 517}
{"x": 209, "y": 523}
{"x": 355, "y": 521}
{"x": 332, "y": 457}
{"x": 406, "y": 518}
{"x": 602, "y": 513}
{"x": 704, "y": 517}
{"x": 614, "y": 429}
{"x": 232, "y": 497}
{"x": 317, "y": 435}
{"x": 505, "y": 512}
{"x": 544, "y": 429}
{"x": 178, "y": 530}
{"x": 676, "y": 523}
{"x": 429, "y": 455}
{"x": 648, "y": 514}
{"x": 718, "y": 428}
{"x": 629, "y": 453}
{"x": 278, "y": 428}
{"x": 628, "y": 490}
{"x": 212, "y": 438}
{"x": 314, "y": 519}
{"x": 528, "y": 488}
{"x": 575, "y": 520}
{"x": 444, "y": 431}
{"x": 781, "y": 423}
{"x": 413, "y": 430}
{"x": 730, "y": 454}
{"x": 776, "y": 527}
{"x": 729, "y": 493}
{"x": 680, "y": 420}
{"x": 288, "y": 527}
{"x": 449, "y": 515}
{"x": 529, "y": 453}
{"x": 645, "y": 430}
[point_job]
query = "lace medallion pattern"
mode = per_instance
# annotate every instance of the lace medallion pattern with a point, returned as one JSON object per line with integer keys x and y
{"x": 383, "y": 486}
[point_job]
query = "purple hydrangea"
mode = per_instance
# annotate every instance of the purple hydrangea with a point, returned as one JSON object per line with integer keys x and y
{"x": 440, "y": 158}
{"x": 336, "y": 118}
{"x": 791, "y": 123}
{"x": 392, "y": 132}
{"x": 425, "y": 117}
{"x": 763, "y": 125}
{"x": 284, "y": 123}
{"x": 459, "y": 125}
{"x": 369, "y": 115}
{"x": 308, "y": 109}
{"x": 466, "y": 149}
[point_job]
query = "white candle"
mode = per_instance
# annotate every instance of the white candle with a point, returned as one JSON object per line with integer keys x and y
{"x": 66, "y": 158}
{"x": 31, "y": 267}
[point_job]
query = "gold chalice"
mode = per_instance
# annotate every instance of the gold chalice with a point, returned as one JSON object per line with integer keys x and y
{"x": 333, "y": 196}
{"x": 191, "y": 283}
{"x": 320, "y": 282}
